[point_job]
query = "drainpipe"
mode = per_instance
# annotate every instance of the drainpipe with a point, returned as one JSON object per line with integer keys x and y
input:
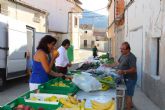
{"x": 16, "y": 11}
{"x": 114, "y": 39}
{"x": 68, "y": 26}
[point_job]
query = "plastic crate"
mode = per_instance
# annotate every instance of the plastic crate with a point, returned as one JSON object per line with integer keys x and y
{"x": 65, "y": 92}
{"x": 35, "y": 106}
{"x": 41, "y": 97}
{"x": 48, "y": 88}
{"x": 27, "y": 94}
{"x": 120, "y": 97}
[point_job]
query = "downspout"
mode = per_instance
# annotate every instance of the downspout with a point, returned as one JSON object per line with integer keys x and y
{"x": 68, "y": 26}
{"x": 109, "y": 49}
{"x": 114, "y": 38}
{"x": 16, "y": 11}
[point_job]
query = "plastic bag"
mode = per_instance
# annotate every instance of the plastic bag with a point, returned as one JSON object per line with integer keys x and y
{"x": 91, "y": 60}
{"x": 104, "y": 69}
{"x": 86, "y": 82}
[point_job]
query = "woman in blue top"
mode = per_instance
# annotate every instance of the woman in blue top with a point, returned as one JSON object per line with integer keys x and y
{"x": 41, "y": 66}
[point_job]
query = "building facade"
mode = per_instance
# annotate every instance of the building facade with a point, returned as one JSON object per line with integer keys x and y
{"x": 74, "y": 24}
{"x": 21, "y": 11}
{"x": 116, "y": 25}
{"x": 90, "y": 37}
{"x": 144, "y": 28}
{"x": 145, "y": 32}
{"x": 111, "y": 27}
{"x": 60, "y": 17}
{"x": 87, "y": 40}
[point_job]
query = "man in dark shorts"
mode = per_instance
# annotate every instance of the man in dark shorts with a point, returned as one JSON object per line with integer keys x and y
{"x": 127, "y": 67}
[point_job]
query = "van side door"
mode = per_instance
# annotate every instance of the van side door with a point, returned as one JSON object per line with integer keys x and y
{"x": 17, "y": 43}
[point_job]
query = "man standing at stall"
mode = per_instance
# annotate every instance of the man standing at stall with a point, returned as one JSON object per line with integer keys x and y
{"x": 62, "y": 62}
{"x": 127, "y": 67}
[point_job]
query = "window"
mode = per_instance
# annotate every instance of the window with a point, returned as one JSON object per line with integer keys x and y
{"x": 4, "y": 9}
{"x": 0, "y": 8}
{"x": 75, "y": 21}
{"x": 158, "y": 52}
{"x": 85, "y": 43}
{"x": 36, "y": 17}
{"x": 155, "y": 52}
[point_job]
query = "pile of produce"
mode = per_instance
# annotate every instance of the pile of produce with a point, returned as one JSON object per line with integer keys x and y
{"x": 72, "y": 72}
{"x": 105, "y": 87}
{"x": 94, "y": 72}
{"x": 87, "y": 66}
{"x": 60, "y": 84}
{"x": 107, "y": 61}
{"x": 110, "y": 105}
{"x": 104, "y": 56}
{"x": 26, "y": 107}
{"x": 107, "y": 82}
{"x": 51, "y": 99}
{"x": 71, "y": 103}
{"x": 47, "y": 99}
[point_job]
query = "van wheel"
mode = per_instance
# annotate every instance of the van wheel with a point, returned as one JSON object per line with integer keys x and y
{"x": 2, "y": 81}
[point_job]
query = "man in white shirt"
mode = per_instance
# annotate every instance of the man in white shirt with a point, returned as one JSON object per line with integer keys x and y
{"x": 62, "y": 61}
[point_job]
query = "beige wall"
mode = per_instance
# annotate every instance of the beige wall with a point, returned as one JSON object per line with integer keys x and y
{"x": 89, "y": 37}
{"x": 111, "y": 30}
{"x": 26, "y": 15}
{"x": 116, "y": 32}
{"x": 119, "y": 38}
{"x": 111, "y": 13}
{"x": 102, "y": 45}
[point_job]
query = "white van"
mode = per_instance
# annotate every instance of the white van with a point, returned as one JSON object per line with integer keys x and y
{"x": 15, "y": 39}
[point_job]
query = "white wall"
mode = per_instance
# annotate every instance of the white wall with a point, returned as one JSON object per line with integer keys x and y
{"x": 145, "y": 15}
{"x": 148, "y": 16}
{"x": 102, "y": 45}
{"x": 75, "y": 31}
{"x": 58, "y": 12}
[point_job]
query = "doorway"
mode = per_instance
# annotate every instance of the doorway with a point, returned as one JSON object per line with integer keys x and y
{"x": 30, "y": 39}
{"x": 136, "y": 43}
{"x": 85, "y": 43}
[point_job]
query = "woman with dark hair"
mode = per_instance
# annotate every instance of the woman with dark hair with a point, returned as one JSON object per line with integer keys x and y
{"x": 41, "y": 65}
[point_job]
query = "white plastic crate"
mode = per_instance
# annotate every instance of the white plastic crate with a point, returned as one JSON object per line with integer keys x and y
{"x": 42, "y": 96}
{"x": 120, "y": 97}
